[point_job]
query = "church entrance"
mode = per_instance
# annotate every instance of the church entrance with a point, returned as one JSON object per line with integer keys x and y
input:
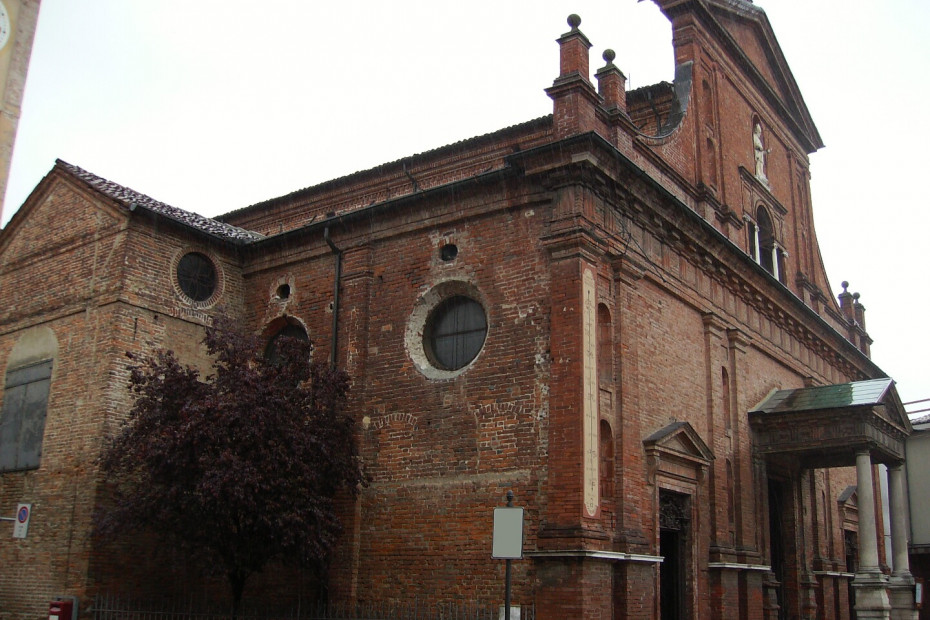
{"x": 778, "y": 535}
{"x": 797, "y": 430}
{"x": 674, "y": 520}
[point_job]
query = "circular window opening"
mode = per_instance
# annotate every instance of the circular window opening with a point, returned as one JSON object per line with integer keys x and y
{"x": 448, "y": 252}
{"x": 455, "y": 332}
{"x": 284, "y": 291}
{"x": 197, "y": 276}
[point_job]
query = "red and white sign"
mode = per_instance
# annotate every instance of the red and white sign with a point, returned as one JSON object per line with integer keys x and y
{"x": 21, "y": 525}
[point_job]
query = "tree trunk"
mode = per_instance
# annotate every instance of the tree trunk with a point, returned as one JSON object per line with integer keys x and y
{"x": 237, "y": 579}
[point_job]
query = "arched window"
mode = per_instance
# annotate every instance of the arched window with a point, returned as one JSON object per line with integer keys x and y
{"x": 288, "y": 330}
{"x": 725, "y": 397}
{"x": 731, "y": 502}
{"x": 763, "y": 246}
{"x": 605, "y": 364}
{"x": 606, "y": 462}
{"x": 766, "y": 240}
{"x": 26, "y": 392}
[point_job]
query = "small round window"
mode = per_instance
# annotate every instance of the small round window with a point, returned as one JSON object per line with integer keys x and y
{"x": 455, "y": 332}
{"x": 197, "y": 276}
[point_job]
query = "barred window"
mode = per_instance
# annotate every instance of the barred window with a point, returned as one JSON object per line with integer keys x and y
{"x": 22, "y": 421}
{"x": 455, "y": 332}
{"x": 197, "y": 276}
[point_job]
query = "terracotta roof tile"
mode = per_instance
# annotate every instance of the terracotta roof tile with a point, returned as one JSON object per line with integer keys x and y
{"x": 129, "y": 197}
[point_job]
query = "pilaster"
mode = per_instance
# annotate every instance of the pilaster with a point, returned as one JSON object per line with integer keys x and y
{"x": 572, "y": 516}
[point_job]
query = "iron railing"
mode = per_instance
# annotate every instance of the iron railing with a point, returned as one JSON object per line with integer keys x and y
{"x": 114, "y": 607}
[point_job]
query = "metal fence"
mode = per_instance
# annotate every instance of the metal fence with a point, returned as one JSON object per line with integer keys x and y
{"x": 110, "y": 607}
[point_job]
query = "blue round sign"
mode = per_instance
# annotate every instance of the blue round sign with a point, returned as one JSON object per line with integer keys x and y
{"x": 23, "y": 514}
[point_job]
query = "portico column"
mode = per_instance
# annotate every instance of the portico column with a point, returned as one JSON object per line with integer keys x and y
{"x": 870, "y": 583}
{"x": 899, "y": 558}
{"x": 901, "y": 589}
{"x": 868, "y": 541}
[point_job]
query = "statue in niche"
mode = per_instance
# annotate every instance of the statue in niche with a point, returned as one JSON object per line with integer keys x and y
{"x": 759, "y": 149}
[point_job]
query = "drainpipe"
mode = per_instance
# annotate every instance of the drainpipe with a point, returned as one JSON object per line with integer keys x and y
{"x": 337, "y": 253}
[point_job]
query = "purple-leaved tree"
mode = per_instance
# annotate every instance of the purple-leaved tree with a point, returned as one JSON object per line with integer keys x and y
{"x": 240, "y": 467}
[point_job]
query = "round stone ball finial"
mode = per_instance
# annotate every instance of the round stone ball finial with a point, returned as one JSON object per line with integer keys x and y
{"x": 856, "y": 297}
{"x": 574, "y": 21}
{"x": 609, "y": 56}
{"x": 845, "y": 285}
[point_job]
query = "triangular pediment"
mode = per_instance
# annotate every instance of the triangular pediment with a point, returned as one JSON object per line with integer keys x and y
{"x": 849, "y": 498}
{"x": 61, "y": 206}
{"x": 679, "y": 439}
{"x": 744, "y": 33}
{"x": 749, "y": 27}
{"x": 750, "y": 37}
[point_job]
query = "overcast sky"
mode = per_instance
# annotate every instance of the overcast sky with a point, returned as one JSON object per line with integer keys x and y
{"x": 213, "y": 105}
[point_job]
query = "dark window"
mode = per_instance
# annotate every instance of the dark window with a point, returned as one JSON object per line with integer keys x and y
{"x": 197, "y": 276}
{"x": 288, "y": 331}
{"x": 22, "y": 422}
{"x": 766, "y": 240}
{"x": 448, "y": 252}
{"x": 455, "y": 332}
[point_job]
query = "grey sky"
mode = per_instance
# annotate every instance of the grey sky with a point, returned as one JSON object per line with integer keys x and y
{"x": 213, "y": 105}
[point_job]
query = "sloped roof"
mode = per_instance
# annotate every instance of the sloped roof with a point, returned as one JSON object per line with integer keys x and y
{"x": 132, "y": 199}
{"x": 380, "y": 169}
{"x": 859, "y": 393}
{"x": 826, "y": 426}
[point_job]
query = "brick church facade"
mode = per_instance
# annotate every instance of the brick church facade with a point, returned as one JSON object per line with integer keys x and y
{"x": 618, "y": 312}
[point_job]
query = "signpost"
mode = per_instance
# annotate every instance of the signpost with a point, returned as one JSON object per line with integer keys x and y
{"x": 21, "y": 520}
{"x": 508, "y": 542}
{"x": 21, "y": 526}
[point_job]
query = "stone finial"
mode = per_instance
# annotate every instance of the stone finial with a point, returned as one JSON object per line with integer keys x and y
{"x": 572, "y": 92}
{"x": 573, "y": 50}
{"x": 611, "y": 83}
{"x": 859, "y": 311}
{"x": 846, "y": 304}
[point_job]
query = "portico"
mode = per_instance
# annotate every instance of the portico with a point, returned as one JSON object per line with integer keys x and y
{"x": 857, "y": 424}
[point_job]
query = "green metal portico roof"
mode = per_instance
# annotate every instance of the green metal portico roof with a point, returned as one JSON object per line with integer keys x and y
{"x": 826, "y": 426}
{"x": 856, "y": 394}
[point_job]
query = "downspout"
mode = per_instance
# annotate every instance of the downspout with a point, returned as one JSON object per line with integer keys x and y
{"x": 334, "y": 340}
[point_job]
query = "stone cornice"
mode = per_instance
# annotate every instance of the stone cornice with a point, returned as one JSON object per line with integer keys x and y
{"x": 642, "y": 201}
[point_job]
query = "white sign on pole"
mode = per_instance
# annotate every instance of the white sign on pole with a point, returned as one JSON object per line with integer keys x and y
{"x": 21, "y": 524}
{"x": 508, "y": 534}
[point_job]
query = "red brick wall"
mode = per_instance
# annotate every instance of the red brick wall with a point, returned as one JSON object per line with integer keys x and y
{"x": 442, "y": 452}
